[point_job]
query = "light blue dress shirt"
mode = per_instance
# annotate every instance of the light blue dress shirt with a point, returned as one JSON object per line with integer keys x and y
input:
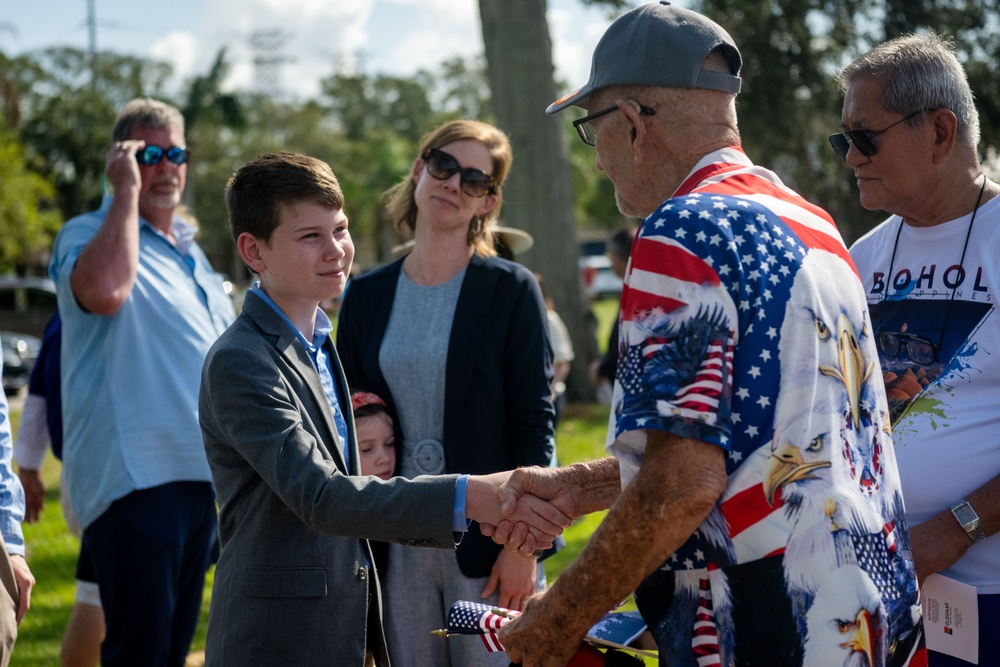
{"x": 321, "y": 361}
{"x": 11, "y": 493}
{"x": 130, "y": 380}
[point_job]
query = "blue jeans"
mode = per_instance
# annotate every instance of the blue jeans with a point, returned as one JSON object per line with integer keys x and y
{"x": 150, "y": 551}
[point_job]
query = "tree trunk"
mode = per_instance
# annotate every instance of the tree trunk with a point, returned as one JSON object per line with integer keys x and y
{"x": 538, "y": 195}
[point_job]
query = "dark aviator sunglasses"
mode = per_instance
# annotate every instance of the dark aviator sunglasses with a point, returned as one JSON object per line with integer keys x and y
{"x": 864, "y": 140}
{"x": 152, "y": 154}
{"x": 443, "y": 166}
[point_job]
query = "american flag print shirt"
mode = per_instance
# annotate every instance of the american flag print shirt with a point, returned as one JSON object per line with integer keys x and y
{"x": 744, "y": 324}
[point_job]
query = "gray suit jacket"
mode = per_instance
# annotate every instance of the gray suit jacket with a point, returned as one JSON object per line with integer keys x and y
{"x": 294, "y": 584}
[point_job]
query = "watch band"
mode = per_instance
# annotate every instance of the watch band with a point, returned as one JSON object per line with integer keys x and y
{"x": 969, "y": 520}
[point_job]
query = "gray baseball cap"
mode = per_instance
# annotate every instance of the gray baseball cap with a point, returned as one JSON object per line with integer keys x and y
{"x": 658, "y": 45}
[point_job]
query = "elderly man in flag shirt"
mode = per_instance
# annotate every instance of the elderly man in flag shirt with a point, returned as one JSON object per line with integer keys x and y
{"x": 755, "y": 505}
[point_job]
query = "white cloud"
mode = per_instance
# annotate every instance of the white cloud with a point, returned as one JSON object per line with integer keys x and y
{"x": 409, "y": 35}
{"x": 179, "y": 49}
{"x": 314, "y": 37}
{"x": 303, "y": 40}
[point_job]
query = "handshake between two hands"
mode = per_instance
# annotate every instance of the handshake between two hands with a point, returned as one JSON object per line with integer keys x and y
{"x": 529, "y": 508}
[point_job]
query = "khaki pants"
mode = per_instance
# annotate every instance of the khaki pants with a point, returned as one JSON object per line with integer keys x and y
{"x": 9, "y": 598}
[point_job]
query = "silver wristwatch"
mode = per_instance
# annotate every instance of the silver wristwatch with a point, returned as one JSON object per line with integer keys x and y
{"x": 969, "y": 520}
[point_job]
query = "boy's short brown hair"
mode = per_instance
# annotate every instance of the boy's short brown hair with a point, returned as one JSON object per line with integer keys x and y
{"x": 258, "y": 190}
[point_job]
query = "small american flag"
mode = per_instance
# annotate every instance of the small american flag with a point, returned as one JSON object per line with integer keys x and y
{"x": 476, "y": 618}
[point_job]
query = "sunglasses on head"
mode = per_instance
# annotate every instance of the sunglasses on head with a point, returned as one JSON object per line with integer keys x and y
{"x": 864, "y": 140}
{"x": 153, "y": 154}
{"x": 443, "y": 166}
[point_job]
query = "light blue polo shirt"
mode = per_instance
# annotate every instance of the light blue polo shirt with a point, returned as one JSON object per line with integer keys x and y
{"x": 130, "y": 380}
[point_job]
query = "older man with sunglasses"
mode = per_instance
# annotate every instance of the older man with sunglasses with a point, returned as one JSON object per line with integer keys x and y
{"x": 140, "y": 307}
{"x": 932, "y": 277}
{"x": 760, "y": 521}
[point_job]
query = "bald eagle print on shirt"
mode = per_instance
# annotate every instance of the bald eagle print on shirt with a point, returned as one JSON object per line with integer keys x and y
{"x": 744, "y": 325}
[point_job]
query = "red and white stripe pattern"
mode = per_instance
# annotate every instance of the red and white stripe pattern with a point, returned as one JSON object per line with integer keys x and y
{"x": 705, "y": 637}
{"x": 476, "y": 618}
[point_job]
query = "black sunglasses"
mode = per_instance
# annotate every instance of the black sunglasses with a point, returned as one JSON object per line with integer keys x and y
{"x": 152, "y": 154}
{"x": 864, "y": 140}
{"x": 585, "y": 128}
{"x": 443, "y": 166}
{"x": 919, "y": 349}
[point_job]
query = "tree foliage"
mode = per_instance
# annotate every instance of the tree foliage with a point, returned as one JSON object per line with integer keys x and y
{"x": 60, "y": 104}
{"x": 68, "y": 105}
{"x": 28, "y": 219}
{"x": 792, "y": 50}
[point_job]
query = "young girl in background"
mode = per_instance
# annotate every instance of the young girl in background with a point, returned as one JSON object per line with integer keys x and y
{"x": 376, "y": 442}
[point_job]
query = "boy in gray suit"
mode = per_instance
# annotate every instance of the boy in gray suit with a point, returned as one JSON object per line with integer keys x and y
{"x": 295, "y": 583}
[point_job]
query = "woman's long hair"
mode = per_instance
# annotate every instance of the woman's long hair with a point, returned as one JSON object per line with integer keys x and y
{"x": 402, "y": 206}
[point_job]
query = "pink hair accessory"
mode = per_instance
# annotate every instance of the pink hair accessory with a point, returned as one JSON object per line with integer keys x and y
{"x": 359, "y": 399}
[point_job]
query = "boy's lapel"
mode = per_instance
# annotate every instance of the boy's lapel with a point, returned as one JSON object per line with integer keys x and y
{"x": 287, "y": 344}
{"x": 298, "y": 358}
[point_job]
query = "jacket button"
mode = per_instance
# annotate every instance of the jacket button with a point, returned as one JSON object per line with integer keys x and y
{"x": 362, "y": 573}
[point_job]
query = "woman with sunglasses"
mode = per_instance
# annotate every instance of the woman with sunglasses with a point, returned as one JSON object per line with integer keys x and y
{"x": 455, "y": 339}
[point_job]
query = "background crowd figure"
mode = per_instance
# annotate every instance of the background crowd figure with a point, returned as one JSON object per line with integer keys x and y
{"x": 800, "y": 433}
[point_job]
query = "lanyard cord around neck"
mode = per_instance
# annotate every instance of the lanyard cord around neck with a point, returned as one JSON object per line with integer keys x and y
{"x": 961, "y": 262}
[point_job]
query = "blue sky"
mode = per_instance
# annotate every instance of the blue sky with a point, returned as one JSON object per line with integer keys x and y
{"x": 317, "y": 36}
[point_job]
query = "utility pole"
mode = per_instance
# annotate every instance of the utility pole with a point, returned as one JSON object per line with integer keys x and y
{"x": 268, "y": 59}
{"x": 92, "y": 48}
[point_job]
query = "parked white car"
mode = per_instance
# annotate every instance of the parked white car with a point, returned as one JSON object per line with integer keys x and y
{"x": 599, "y": 278}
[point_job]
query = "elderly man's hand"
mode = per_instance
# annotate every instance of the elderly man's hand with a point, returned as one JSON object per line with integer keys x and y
{"x": 541, "y": 636}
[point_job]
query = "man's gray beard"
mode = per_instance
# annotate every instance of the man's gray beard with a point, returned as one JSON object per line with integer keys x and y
{"x": 164, "y": 201}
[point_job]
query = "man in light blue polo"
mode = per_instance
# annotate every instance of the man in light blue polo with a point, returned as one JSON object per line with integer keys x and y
{"x": 140, "y": 306}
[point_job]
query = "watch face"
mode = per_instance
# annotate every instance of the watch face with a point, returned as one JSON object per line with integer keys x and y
{"x": 965, "y": 515}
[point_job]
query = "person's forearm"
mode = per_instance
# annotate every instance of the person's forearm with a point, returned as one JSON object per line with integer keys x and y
{"x": 106, "y": 269}
{"x": 941, "y": 541}
{"x": 560, "y": 371}
{"x": 986, "y": 502}
{"x": 674, "y": 491}
{"x": 596, "y": 484}
{"x": 32, "y": 434}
